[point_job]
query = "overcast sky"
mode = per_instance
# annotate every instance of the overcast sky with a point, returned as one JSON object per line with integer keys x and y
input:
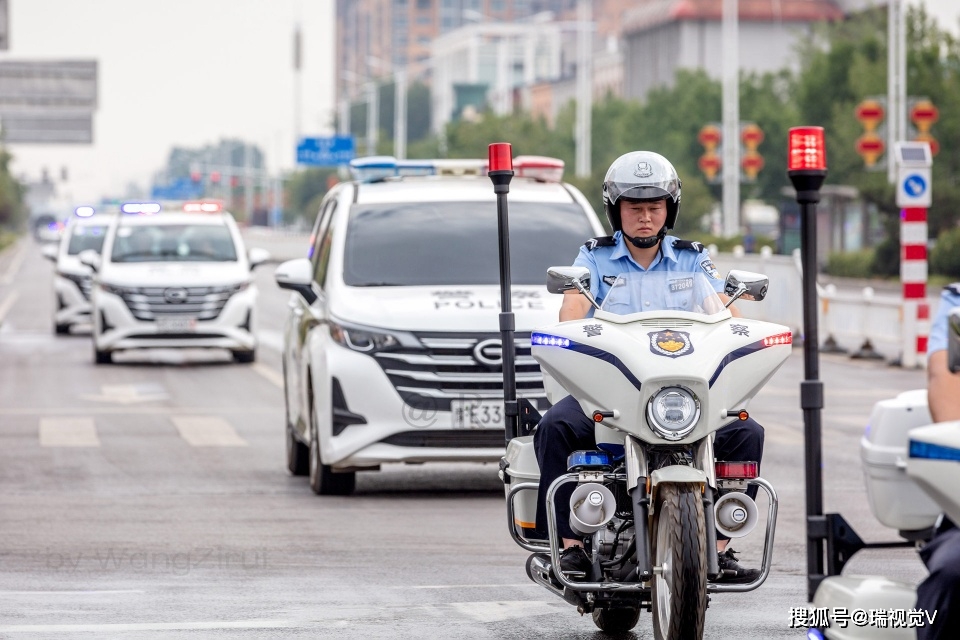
{"x": 188, "y": 73}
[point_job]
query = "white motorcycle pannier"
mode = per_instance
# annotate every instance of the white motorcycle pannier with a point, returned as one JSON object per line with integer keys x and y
{"x": 895, "y": 498}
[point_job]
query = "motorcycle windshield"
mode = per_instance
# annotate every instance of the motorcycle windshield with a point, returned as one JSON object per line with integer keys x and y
{"x": 662, "y": 291}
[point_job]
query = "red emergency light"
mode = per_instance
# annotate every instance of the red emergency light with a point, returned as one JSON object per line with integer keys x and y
{"x": 500, "y": 156}
{"x": 807, "y": 151}
{"x": 737, "y": 470}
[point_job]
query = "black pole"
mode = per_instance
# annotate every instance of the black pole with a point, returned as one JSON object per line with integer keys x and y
{"x": 501, "y": 186}
{"x": 807, "y": 184}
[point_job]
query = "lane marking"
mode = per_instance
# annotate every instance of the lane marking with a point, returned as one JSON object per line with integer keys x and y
{"x": 7, "y": 304}
{"x": 14, "y": 265}
{"x": 203, "y": 431}
{"x": 462, "y": 586}
{"x": 54, "y": 411}
{"x": 68, "y": 432}
{"x": 128, "y": 393}
{"x": 71, "y": 593}
{"x": 501, "y": 611}
{"x": 269, "y": 373}
{"x": 147, "y": 626}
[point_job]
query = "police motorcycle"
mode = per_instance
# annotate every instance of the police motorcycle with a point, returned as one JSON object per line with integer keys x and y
{"x": 911, "y": 474}
{"x": 658, "y": 384}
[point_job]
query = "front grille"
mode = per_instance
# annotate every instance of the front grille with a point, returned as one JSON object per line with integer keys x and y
{"x": 448, "y": 438}
{"x": 149, "y": 303}
{"x": 447, "y": 368}
{"x": 84, "y": 283}
{"x": 665, "y": 323}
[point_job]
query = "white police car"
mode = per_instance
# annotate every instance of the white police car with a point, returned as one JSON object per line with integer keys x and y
{"x": 173, "y": 277}
{"x": 85, "y": 231}
{"x": 392, "y": 346}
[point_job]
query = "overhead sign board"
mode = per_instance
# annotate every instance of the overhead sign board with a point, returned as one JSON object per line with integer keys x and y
{"x": 179, "y": 189}
{"x": 48, "y": 84}
{"x": 326, "y": 152}
{"x": 47, "y": 127}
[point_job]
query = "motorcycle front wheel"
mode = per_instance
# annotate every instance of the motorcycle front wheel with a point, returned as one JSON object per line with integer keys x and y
{"x": 680, "y": 563}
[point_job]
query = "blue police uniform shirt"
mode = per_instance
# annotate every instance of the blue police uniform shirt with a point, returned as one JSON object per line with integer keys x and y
{"x": 949, "y": 300}
{"x": 607, "y": 262}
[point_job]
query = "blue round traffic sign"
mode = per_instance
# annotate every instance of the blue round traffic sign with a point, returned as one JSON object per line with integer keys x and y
{"x": 914, "y": 185}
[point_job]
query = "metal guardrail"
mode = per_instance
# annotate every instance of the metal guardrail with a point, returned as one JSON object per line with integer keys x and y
{"x": 859, "y": 322}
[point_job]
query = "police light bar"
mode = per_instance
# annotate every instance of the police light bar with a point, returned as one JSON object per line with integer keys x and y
{"x": 373, "y": 168}
{"x": 140, "y": 208}
{"x": 83, "y": 212}
{"x": 415, "y": 168}
{"x": 465, "y": 167}
{"x": 202, "y": 207}
{"x": 807, "y": 151}
{"x": 539, "y": 168}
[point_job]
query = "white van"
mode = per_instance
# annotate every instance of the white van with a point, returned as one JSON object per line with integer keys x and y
{"x": 392, "y": 346}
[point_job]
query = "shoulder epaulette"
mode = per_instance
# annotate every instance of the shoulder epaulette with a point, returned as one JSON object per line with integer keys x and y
{"x": 690, "y": 245}
{"x": 953, "y": 288}
{"x": 600, "y": 241}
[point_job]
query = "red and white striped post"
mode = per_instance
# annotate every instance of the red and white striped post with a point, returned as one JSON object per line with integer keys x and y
{"x": 913, "y": 276}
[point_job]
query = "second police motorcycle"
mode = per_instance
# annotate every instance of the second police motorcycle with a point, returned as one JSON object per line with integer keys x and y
{"x": 658, "y": 384}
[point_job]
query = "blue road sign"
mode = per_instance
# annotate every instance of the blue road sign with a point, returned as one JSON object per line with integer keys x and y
{"x": 180, "y": 189}
{"x": 914, "y": 185}
{"x": 326, "y": 152}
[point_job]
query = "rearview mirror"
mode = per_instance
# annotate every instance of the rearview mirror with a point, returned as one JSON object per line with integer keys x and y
{"x": 90, "y": 258}
{"x": 50, "y": 251}
{"x": 560, "y": 279}
{"x": 953, "y": 340}
{"x": 746, "y": 285}
{"x": 297, "y": 275}
{"x": 257, "y": 256}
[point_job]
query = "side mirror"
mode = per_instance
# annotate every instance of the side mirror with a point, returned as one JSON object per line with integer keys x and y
{"x": 560, "y": 279}
{"x": 90, "y": 258}
{"x": 50, "y": 251}
{"x": 953, "y": 341}
{"x": 257, "y": 257}
{"x": 297, "y": 275}
{"x": 746, "y": 285}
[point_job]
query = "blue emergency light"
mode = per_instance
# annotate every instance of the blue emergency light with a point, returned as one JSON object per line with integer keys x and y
{"x": 83, "y": 212}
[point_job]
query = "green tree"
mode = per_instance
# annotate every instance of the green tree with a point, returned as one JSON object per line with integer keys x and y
{"x": 304, "y": 191}
{"x": 12, "y": 208}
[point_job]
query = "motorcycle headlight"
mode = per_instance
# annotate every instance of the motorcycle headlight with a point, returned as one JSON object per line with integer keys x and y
{"x": 673, "y": 412}
{"x": 361, "y": 339}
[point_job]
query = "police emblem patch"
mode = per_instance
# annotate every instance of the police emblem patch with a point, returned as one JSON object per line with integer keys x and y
{"x": 643, "y": 170}
{"x": 670, "y": 343}
{"x": 711, "y": 270}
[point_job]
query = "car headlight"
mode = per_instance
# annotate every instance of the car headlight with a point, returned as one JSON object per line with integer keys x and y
{"x": 361, "y": 339}
{"x": 115, "y": 290}
{"x": 673, "y": 412}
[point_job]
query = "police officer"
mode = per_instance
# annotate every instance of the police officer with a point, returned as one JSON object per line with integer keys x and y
{"x": 641, "y": 197}
{"x": 940, "y": 591}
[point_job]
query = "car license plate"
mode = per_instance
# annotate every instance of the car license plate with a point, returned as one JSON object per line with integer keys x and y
{"x": 477, "y": 414}
{"x": 176, "y": 324}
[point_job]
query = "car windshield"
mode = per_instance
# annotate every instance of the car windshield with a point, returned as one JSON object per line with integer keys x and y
{"x": 86, "y": 237}
{"x": 456, "y": 243}
{"x": 173, "y": 243}
{"x": 662, "y": 291}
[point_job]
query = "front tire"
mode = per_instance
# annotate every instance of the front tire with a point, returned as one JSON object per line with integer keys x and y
{"x": 323, "y": 480}
{"x": 680, "y": 564}
{"x": 618, "y": 620}
{"x": 62, "y": 329}
{"x": 244, "y": 357}
{"x": 102, "y": 357}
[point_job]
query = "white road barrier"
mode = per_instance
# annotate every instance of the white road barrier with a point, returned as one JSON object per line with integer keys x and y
{"x": 860, "y": 322}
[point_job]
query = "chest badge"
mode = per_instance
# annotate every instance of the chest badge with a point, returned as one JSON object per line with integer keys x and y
{"x": 670, "y": 343}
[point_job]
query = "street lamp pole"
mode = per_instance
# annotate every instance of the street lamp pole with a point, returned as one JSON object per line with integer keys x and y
{"x": 584, "y": 86}
{"x": 731, "y": 118}
{"x": 400, "y": 114}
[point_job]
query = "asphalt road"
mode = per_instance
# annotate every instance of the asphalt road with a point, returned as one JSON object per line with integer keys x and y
{"x": 133, "y": 528}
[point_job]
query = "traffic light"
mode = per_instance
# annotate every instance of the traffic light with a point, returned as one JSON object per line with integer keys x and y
{"x": 751, "y": 162}
{"x": 710, "y": 162}
{"x": 870, "y": 145}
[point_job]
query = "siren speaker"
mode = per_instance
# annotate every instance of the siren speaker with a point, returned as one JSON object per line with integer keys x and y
{"x": 736, "y": 514}
{"x": 592, "y": 506}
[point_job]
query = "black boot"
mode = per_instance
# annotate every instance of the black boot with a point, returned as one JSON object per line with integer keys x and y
{"x": 730, "y": 570}
{"x": 574, "y": 563}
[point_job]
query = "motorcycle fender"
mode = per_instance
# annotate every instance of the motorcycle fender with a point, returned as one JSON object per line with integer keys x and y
{"x": 678, "y": 474}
